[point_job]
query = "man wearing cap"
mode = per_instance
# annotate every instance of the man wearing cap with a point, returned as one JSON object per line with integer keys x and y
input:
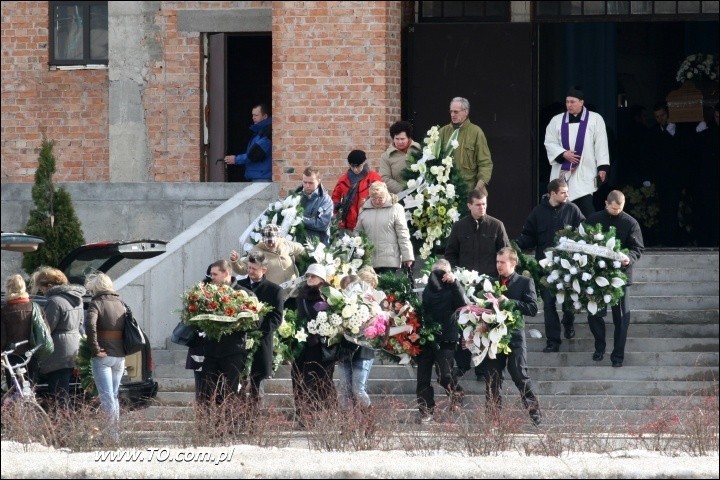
{"x": 317, "y": 206}
{"x": 256, "y": 266}
{"x": 280, "y": 254}
{"x": 472, "y": 155}
{"x": 577, "y": 149}
{"x": 352, "y": 189}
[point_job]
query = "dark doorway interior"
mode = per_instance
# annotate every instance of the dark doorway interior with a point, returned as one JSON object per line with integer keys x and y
{"x": 491, "y": 66}
{"x": 624, "y": 68}
{"x": 249, "y": 82}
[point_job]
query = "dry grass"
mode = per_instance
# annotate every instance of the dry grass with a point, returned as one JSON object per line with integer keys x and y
{"x": 687, "y": 427}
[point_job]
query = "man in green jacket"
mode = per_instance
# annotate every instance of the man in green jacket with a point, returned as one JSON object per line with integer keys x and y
{"x": 472, "y": 155}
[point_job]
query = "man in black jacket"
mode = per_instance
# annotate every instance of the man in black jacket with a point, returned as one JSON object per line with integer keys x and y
{"x": 271, "y": 294}
{"x": 473, "y": 242}
{"x": 552, "y": 214}
{"x": 441, "y": 297}
{"x": 520, "y": 292}
{"x": 627, "y": 231}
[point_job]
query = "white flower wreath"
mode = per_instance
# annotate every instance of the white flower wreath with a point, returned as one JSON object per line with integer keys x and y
{"x": 584, "y": 270}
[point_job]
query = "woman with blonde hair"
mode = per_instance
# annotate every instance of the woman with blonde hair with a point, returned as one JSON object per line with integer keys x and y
{"x": 16, "y": 321}
{"x": 104, "y": 324}
{"x": 382, "y": 219}
{"x": 64, "y": 314}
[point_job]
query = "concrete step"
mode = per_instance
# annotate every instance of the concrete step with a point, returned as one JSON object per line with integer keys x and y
{"x": 179, "y": 406}
{"x": 671, "y": 288}
{"x": 686, "y": 302}
{"x": 680, "y": 273}
{"x": 671, "y": 316}
{"x": 610, "y": 386}
{"x": 582, "y": 330}
{"x": 633, "y": 344}
{"x": 688, "y": 260}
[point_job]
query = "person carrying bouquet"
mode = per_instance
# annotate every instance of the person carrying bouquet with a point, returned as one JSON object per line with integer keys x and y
{"x": 442, "y": 296}
{"x": 312, "y": 370}
{"x": 520, "y": 291}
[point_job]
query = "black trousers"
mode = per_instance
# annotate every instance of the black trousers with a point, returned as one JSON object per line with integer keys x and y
{"x": 552, "y": 319}
{"x": 59, "y": 386}
{"x": 443, "y": 360}
{"x": 312, "y": 382}
{"x": 222, "y": 376}
{"x": 621, "y": 320}
{"x": 585, "y": 204}
{"x": 516, "y": 362}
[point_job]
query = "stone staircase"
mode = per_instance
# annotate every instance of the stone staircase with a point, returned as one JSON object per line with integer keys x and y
{"x": 671, "y": 355}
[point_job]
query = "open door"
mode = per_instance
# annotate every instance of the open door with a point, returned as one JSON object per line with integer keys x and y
{"x": 491, "y": 65}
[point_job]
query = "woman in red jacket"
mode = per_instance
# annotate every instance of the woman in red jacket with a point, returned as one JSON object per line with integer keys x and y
{"x": 352, "y": 189}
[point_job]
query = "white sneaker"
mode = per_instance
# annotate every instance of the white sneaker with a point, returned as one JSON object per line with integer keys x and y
{"x": 426, "y": 418}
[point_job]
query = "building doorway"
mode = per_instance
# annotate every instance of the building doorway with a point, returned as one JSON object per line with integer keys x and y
{"x": 625, "y": 68}
{"x": 239, "y": 77}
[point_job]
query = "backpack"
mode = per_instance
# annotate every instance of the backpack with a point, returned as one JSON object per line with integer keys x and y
{"x": 40, "y": 335}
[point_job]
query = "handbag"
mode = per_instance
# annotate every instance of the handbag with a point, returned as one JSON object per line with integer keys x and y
{"x": 133, "y": 337}
{"x": 184, "y": 334}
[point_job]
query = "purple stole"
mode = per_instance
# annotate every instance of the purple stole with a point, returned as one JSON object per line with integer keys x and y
{"x": 579, "y": 142}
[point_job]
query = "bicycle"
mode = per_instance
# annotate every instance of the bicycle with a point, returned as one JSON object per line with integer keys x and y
{"x": 23, "y": 419}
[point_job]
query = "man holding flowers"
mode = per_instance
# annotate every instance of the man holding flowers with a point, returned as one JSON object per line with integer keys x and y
{"x": 521, "y": 292}
{"x": 628, "y": 232}
{"x": 271, "y": 294}
{"x": 552, "y": 214}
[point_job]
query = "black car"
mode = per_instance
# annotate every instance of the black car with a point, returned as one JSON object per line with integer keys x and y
{"x": 137, "y": 384}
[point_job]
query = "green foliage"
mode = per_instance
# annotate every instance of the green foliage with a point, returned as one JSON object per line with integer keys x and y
{"x": 82, "y": 361}
{"x": 528, "y": 266}
{"x": 53, "y": 217}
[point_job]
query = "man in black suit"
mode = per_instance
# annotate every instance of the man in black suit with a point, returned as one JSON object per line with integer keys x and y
{"x": 520, "y": 292}
{"x": 271, "y": 294}
{"x": 627, "y": 230}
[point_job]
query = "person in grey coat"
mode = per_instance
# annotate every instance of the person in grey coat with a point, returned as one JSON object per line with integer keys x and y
{"x": 65, "y": 315}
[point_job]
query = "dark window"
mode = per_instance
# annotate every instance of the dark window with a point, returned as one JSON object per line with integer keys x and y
{"x": 464, "y": 11}
{"x": 619, "y": 11}
{"x": 78, "y": 33}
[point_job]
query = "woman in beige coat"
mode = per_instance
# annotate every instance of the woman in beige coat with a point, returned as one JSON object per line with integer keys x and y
{"x": 382, "y": 219}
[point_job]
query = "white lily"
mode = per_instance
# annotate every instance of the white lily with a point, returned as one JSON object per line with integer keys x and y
{"x": 617, "y": 282}
{"x": 610, "y": 243}
{"x": 592, "y": 307}
{"x": 602, "y": 281}
{"x": 576, "y": 285}
{"x": 581, "y": 230}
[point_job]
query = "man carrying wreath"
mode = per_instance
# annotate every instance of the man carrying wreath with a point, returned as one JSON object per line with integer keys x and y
{"x": 627, "y": 230}
{"x": 521, "y": 292}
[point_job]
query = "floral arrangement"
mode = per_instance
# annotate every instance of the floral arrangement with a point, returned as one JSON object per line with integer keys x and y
{"x": 642, "y": 203}
{"x": 219, "y": 310}
{"x": 403, "y": 305}
{"x": 698, "y": 66}
{"x": 288, "y": 340}
{"x": 287, "y": 214}
{"x": 84, "y": 367}
{"x": 345, "y": 256}
{"x": 583, "y": 270}
{"x": 353, "y": 314}
{"x": 435, "y": 204}
{"x": 487, "y": 325}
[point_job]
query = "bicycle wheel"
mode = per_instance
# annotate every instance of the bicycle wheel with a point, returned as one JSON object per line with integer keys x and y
{"x": 24, "y": 421}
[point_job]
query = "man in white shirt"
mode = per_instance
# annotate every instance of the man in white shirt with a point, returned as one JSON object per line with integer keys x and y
{"x": 577, "y": 149}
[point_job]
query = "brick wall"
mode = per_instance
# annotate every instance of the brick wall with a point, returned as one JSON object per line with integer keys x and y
{"x": 336, "y": 87}
{"x": 336, "y": 84}
{"x": 69, "y": 107}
